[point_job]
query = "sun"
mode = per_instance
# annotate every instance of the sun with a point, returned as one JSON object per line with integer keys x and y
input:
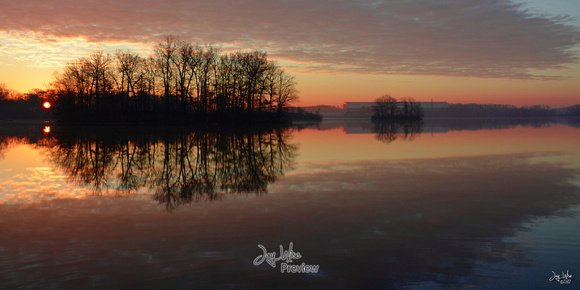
{"x": 46, "y": 105}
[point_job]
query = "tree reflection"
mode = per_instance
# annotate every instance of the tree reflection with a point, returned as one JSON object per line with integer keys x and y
{"x": 6, "y": 143}
{"x": 14, "y": 134}
{"x": 389, "y": 131}
{"x": 179, "y": 167}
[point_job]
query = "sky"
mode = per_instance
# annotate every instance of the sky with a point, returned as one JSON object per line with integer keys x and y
{"x": 519, "y": 52}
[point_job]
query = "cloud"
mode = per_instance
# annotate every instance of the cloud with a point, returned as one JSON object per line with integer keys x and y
{"x": 476, "y": 38}
{"x": 39, "y": 50}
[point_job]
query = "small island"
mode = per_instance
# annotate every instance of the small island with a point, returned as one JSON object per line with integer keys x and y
{"x": 389, "y": 108}
{"x": 180, "y": 83}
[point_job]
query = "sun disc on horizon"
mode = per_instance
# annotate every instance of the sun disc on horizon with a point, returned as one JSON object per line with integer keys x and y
{"x": 46, "y": 105}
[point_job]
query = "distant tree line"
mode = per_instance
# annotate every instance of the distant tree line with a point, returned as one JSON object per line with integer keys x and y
{"x": 491, "y": 110}
{"x": 300, "y": 114}
{"x": 387, "y": 107}
{"x": 18, "y": 106}
{"x": 573, "y": 110}
{"x": 478, "y": 110}
{"x": 180, "y": 81}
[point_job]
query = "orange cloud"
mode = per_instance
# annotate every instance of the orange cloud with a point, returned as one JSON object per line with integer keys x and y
{"x": 492, "y": 39}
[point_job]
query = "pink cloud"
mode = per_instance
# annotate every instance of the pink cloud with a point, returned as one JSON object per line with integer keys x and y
{"x": 490, "y": 38}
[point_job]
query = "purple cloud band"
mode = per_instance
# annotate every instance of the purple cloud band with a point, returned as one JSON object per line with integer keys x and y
{"x": 478, "y": 38}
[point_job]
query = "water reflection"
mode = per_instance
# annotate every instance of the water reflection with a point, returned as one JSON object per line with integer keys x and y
{"x": 179, "y": 167}
{"x": 390, "y": 131}
{"x": 441, "y": 125}
{"x": 14, "y": 134}
{"x": 6, "y": 143}
{"x": 369, "y": 224}
{"x": 415, "y": 222}
{"x": 374, "y": 222}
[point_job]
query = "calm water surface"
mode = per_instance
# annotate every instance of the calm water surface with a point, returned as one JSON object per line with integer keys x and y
{"x": 443, "y": 204}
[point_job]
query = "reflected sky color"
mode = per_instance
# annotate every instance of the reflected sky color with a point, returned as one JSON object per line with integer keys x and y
{"x": 559, "y": 141}
{"x": 514, "y": 52}
{"x": 28, "y": 176}
{"x": 399, "y": 214}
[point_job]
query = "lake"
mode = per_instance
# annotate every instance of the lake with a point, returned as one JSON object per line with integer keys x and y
{"x": 344, "y": 204}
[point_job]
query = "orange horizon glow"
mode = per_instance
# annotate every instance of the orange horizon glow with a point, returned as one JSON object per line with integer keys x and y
{"x": 428, "y": 52}
{"x": 335, "y": 89}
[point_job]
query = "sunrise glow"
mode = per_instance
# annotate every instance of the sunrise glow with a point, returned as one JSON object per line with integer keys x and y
{"x": 46, "y": 105}
{"x": 527, "y": 53}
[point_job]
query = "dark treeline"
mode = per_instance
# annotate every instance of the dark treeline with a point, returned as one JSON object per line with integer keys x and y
{"x": 17, "y": 133}
{"x": 476, "y": 110}
{"x": 491, "y": 110}
{"x": 300, "y": 114}
{"x": 17, "y": 106}
{"x": 471, "y": 124}
{"x": 387, "y": 107}
{"x": 572, "y": 111}
{"x": 179, "y": 82}
{"x": 180, "y": 167}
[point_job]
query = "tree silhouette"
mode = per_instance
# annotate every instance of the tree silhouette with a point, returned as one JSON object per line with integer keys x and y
{"x": 387, "y": 107}
{"x": 191, "y": 82}
{"x": 180, "y": 167}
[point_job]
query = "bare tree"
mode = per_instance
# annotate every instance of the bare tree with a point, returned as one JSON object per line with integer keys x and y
{"x": 270, "y": 85}
{"x": 415, "y": 109}
{"x": 187, "y": 79}
{"x": 97, "y": 65}
{"x": 4, "y": 92}
{"x": 207, "y": 66}
{"x": 385, "y": 107}
{"x": 165, "y": 54}
{"x": 130, "y": 68}
{"x": 186, "y": 64}
{"x": 287, "y": 92}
